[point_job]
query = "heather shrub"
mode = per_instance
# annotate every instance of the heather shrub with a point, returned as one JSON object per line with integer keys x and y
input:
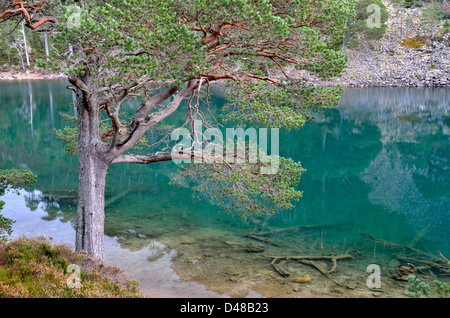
{"x": 38, "y": 268}
{"x": 415, "y": 42}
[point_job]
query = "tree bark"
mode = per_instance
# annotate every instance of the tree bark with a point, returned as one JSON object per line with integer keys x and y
{"x": 91, "y": 203}
{"x": 95, "y": 156}
{"x": 92, "y": 169}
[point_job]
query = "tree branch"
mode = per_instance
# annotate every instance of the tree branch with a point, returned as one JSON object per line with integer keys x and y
{"x": 8, "y": 14}
{"x": 150, "y": 104}
{"x": 140, "y": 124}
{"x": 79, "y": 84}
{"x": 156, "y": 157}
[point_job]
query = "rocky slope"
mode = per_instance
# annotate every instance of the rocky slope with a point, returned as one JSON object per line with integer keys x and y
{"x": 389, "y": 62}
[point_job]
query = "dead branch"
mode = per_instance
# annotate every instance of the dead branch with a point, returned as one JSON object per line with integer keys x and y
{"x": 279, "y": 269}
{"x": 295, "y": 228}
{"x": 448, "y": 262}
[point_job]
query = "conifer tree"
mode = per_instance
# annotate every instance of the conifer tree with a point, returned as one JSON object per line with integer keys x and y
{"x": 167, "y": 54}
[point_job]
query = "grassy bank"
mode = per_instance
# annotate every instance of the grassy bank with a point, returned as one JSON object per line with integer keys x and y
{"x": 39, "y": 268}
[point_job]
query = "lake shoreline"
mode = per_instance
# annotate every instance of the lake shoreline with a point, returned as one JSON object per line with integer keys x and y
{"x": 32, "y": 75}
{"x": 29, "y": 75}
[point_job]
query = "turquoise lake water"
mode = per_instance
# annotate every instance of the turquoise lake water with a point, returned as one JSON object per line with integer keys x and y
{"x": 378, "y": 166}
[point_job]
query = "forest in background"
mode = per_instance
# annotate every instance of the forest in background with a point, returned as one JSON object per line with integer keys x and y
{"x": 21, "y": 48}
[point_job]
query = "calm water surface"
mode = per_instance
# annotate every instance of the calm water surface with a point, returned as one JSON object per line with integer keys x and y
{"x": 379, "y": 164}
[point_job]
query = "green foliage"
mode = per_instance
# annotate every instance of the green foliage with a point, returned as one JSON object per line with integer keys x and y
{"x": 68, "y": 135}
{"x": 279, "y": 107}
{"x": 242, "y": 187}
{"x": 432, "y": 15}
{"x": 417, "y": 287}
{"x": 118, "y": 42}
{"x": 446, "y": 26}
{"x": 407, "y": 3}
{"x": 38, "y": 268}
{"x": 12, "y": 179}
{"x": 432, "y": 12}
{"x": 9, "y": 56}
{"x": 413, "y": 3}
{"x": 15, "y": 179}
{"x": 146, "y": 38}
{"x": 446, "y": 15}
{"x": 442, "y": 289}
{"x": 5, "y": 225}
{"x": 360, "y": 27}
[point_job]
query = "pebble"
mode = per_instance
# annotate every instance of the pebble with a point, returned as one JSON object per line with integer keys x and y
{"x": 302, "y": 279}
{"x": 340, "y": 291}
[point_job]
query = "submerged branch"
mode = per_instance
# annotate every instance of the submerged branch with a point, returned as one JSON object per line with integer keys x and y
{"x": 308, "y": 260}
{"x": 441, "y": 267}
{"x": 396, "y": 245}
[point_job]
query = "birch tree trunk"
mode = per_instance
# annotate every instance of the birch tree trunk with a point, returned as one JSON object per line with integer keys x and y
{"x": 25, "y": 44}
{"x": 47, "y": 52}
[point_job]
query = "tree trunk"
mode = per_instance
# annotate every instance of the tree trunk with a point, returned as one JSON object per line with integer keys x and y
{"x": 91, "y": 203}
{"x": 47, "y": 52}
{"x": 95, "y": 156}
{"x": 8, "y": 47}
{"x": 25, "y": 44}
{"x": 92, "y": 169}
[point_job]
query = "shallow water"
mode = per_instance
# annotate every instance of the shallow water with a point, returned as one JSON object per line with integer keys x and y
{"x": 377, "y": 167}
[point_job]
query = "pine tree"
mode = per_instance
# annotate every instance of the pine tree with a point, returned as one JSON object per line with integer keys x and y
{"x": 168, "y": 53}
{"x": 432, "y": 15}
{"x": 369, "y": 22}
